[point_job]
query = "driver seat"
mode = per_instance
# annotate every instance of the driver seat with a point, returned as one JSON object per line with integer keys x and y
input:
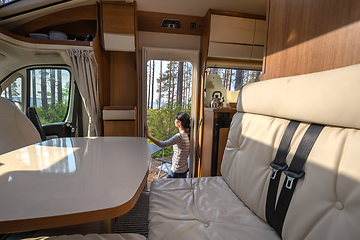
{"x": 34, "y": 118}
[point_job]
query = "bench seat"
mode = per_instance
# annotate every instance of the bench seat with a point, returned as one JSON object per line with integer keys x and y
{"x": 202, "y": 208}
{"x": 113, "y": 236}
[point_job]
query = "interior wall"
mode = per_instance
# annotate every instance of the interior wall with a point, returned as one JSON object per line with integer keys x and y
{"x": 306, "y": 36}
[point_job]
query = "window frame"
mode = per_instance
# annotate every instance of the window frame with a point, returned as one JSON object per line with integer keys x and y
{"x": 7, "y": 4}
{"x": 28, "y": 84}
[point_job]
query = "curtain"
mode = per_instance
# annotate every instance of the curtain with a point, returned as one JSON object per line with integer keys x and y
{"x": 85, "y": 70}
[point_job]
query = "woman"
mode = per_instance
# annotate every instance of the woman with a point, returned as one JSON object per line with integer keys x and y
{"x": 180, "y": 143}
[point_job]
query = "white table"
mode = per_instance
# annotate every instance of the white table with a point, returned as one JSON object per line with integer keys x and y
{"x": 69, "y": 181}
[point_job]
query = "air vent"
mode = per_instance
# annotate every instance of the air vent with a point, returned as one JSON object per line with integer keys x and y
{"x": 171, "y": 23}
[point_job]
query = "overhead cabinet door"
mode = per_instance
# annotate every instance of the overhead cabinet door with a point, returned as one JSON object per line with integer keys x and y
{"x": 237, "y": 37}
{"x": 228, "y": 29}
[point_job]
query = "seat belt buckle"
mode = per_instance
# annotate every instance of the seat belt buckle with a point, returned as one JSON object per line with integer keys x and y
{"x": 276, "y": 168}
{"x": 290, "y": 176}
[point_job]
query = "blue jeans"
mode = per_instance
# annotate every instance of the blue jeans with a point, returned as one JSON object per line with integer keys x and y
{"x": 177, "y": 175}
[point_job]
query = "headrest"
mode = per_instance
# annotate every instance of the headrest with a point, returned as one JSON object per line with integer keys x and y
{"x": 329, "y": 97}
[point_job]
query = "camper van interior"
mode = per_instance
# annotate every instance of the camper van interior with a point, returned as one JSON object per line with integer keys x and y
{"x": 92, "y": 145}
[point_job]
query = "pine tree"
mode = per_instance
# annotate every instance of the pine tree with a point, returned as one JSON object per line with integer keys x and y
{"x": 59, "y": 86}
{"x": 180, "y": 81}
{"x": 44, "y": 102}
{"x": 52, "y": 87}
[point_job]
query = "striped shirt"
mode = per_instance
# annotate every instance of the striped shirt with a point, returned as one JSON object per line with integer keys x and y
{"x": 181, "y": 146}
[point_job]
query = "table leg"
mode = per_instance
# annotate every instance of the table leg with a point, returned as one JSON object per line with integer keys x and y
{"x": 107, "y": 226}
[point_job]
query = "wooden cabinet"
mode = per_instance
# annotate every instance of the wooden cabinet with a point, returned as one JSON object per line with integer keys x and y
{"x": 118, "y": 26}
{"x": 120, "y": 121}
{"x": 236, "y": 37}
{"x": 216, "y": 128}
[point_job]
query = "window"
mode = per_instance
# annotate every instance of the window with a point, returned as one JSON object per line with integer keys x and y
{"x": 49, "y": 93}
{"x": 235, "y": 79}
{"x": 3, "y": 3}
{"x": 226, "y": 83}
{"x": 13, "y": 92}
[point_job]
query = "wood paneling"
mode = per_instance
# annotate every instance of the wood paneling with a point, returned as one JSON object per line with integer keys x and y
{"x": 204, "y": 48}
{"x": 151, "y": 22}
{"x": 103, "y": 59}
{"x": 118, "y": 18}
{"x": 124, "y": 128}
{"x": 307, "y": 36}
{"x": 123, "y": 79}
{"x": 66, "y": 16}
{"x": 208, "y": 135}
{"x": 208, "y": 153}
{"x": 223, "y": 135}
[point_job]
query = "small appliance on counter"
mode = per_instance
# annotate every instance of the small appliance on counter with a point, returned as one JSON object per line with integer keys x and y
{"x": 216, "y": 101}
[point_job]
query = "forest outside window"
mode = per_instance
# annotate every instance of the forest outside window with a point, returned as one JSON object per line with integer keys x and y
{"x": 13, "y": 92}
{"x": 227, "y": 81}
{"x": 49, "y": 93}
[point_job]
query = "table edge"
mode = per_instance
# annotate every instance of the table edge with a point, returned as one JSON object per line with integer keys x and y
{"x": 72, "y": 219}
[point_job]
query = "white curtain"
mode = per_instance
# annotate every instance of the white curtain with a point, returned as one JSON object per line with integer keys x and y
{"x": 85, "y": 70}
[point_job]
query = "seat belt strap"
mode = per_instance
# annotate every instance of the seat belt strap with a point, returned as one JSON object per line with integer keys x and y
{"x": 278, "y": 165}
{"x": 293, "y": 173}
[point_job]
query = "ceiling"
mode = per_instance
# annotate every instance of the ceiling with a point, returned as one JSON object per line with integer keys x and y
{"x": 183, "y": 7}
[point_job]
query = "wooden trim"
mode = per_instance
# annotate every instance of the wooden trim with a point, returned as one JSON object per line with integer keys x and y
{"x": 43, "y": 41}
{"x": 72, "y": 219}
{"x": 151, "y": 22}
{"x": 232, "y": 60}
{"x": 119, "y": 108}
{"x": 87, "y": 12}
{"x": 138, "y": 70}
{"x": 204, "y": 48}
{"x": 223, "y": 136}
{"x": 102, "y": 58}
{"x": 243, "y": 44}
{"x": 119, "y": 3}
{"x": 236, "y": 14}
{"x": 222, "y": 110}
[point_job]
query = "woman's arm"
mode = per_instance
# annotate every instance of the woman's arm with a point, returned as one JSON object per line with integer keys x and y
{"x": 163, "y": 144}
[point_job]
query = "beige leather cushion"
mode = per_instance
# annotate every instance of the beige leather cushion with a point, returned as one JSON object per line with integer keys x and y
{"x": 326, "y": 202}
{"x": 201, "y": 208}
{"x": 16, "y": 130}
{"x": 330, "y": 97}
{"x": 123, "y": 236}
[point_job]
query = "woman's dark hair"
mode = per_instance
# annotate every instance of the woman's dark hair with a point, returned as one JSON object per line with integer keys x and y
{"x": 185, "y": 121}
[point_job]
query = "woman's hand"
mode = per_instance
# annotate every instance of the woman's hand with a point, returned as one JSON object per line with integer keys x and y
{"x": 147, "y": 130}
{"x": 147, "y": 133}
